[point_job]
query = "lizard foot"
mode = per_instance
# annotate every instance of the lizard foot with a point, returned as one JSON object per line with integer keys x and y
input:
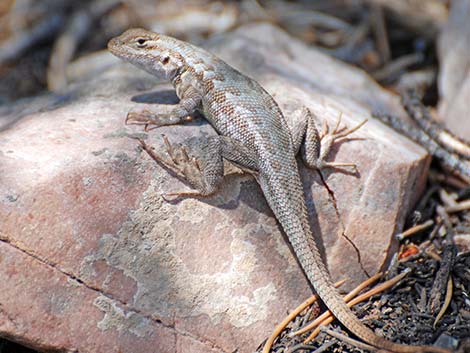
{"x": 187, "y": 168}
{"x": 328, "y": 138}
{"x": 338, "y": 133}
{"x": 187, "y": 165}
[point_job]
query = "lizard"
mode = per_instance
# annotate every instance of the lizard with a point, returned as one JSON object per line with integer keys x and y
{"x": 252, "y": 134}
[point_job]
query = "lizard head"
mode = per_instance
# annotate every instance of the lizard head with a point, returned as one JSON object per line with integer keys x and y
{"x": 152, "y": 52}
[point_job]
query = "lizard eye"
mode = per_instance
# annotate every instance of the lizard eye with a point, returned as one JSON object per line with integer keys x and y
{"x": 141, "y": 42}
{"x": 165, "y": 60}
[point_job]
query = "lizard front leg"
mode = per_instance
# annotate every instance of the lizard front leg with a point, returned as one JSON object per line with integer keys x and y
{"x": 203, "y": 173}
{"x": 314, "y": 146}
{"x": 189, "y": 102}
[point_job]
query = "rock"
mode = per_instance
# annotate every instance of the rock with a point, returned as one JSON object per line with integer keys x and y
{"x": 454, "y": 77}
{"x": 47, "y": 309}
{"x": 93, "y": 259}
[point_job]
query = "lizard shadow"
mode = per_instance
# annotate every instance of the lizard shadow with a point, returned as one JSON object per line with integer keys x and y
{"x": 347, "y": 170}
{"x": 164, "y": 96}
{"x": 250, "y": 194}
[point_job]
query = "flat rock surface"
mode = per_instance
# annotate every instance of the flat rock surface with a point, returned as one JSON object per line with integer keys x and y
{"x": 93, "y": 259}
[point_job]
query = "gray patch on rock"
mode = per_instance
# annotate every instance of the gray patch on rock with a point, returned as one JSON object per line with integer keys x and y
{"x": 101, "y": 151}
{"x": 122, "y": 320}
{"x": 145, "y": 250}
{"x": 11, "y": 198}
{"x": 87, "y": 181}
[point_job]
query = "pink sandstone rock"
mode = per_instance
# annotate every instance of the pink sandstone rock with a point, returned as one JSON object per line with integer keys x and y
{"x": 93, "y": 259}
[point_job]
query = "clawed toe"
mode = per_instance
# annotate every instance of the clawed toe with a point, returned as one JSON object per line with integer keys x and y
{"x": 152, "y": 121}
{"x": 174, "y": 195}
{"x": 317, "y": 148}
{"x": 339, "y": 131}
{"x": 138, "y": 118}
{"x": 144, "y": 117}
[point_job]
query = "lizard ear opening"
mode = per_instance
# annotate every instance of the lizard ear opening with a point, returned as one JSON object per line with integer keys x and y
{"x": 165, "y": 60}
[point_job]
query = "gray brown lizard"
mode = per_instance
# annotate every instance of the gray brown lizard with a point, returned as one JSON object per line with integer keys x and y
{"x": 252, "y": 134}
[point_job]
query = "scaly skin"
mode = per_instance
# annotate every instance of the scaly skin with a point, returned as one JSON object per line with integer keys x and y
{"x": 255, "y": 136}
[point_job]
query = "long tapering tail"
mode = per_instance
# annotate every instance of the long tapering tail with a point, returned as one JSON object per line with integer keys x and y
{"x": 288, "y": 205}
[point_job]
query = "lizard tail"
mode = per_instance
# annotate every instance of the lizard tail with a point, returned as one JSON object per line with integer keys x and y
{"x": 343, "y": 313}
{"x": 294, "y": 220}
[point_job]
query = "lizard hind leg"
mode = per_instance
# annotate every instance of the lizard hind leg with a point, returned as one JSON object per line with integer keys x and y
{"x": 205, "y": 172}
{"x": 315, "y": 145}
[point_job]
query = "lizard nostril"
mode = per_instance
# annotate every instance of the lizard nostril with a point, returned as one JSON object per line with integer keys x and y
{"x": 112, "y": 43}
